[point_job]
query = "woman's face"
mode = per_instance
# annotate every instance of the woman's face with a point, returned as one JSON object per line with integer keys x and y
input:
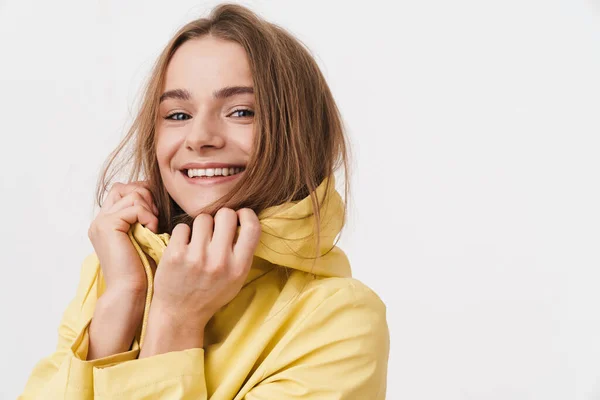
{"x": 206, "y": 121}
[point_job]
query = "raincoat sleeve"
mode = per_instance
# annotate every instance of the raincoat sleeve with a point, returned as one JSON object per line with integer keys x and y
{"x": 66, "y": 374}
{"x": 340, "y": 351}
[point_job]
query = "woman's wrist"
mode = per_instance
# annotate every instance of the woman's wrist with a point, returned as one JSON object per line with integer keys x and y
{"x": 167, "y": 332}
{"x": 116, "y": 318}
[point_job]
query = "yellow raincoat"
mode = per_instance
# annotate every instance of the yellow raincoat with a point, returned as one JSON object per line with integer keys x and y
{"x": 288, "y": 334}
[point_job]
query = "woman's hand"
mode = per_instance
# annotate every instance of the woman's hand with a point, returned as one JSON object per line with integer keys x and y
{"x": 119, "y": 310}
{"x": 198, "y": 276}
{"x": 121, "y": 265}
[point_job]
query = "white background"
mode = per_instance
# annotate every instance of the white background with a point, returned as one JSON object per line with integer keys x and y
{"x": 476, "y": 205}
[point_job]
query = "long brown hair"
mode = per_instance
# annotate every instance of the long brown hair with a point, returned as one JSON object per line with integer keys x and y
{"x": 299, "y": 133}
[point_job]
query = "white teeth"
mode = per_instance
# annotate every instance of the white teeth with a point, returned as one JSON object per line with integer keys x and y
{"x": 213, "y": 172}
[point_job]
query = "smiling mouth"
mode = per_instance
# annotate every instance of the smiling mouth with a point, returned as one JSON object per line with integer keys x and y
{"x": 207, "y": 173}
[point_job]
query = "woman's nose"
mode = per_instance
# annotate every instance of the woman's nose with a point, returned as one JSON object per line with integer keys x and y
{"x": 204, "y": 133}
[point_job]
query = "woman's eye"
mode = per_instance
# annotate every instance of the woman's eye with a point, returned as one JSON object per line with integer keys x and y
{"x": 244, "y": 110}
{"x": 177, "y": 115}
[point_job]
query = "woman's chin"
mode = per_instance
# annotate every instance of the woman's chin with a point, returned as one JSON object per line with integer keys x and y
{"x": 197, "y": 208}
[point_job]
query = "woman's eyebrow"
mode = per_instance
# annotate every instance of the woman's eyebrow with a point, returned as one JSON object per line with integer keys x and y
{"x": 228, "y": 91}
{"x": 232, "y": 91}
{"x": 181, "y": 94}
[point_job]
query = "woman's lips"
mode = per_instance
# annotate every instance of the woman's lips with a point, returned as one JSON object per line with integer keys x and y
{"x": 209, "y": 181}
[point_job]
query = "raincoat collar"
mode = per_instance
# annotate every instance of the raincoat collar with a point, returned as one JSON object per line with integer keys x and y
{"x": 287, "y": 237}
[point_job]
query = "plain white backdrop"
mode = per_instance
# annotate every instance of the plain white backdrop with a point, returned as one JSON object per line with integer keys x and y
{"x": 475, "y": 212}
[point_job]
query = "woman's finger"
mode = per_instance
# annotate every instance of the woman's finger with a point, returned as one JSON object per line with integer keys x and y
{"x": 128, "y": 201}
{"x": 144, "y": 190}
{"x": 146, "y": 217}
{"x": 120, "y": 190}
{"x": 114, "y": 195}
{"x": 179, "y": 240}
{"x": 226, "y": 221}
{"x": 202, "y": 232}
{"x": 180, "y": 237}
{"x": 250, "y": 231}
{"x": 137, "y": 212}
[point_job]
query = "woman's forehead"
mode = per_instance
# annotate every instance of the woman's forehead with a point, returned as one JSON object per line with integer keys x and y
{"x": 207, "y": 63}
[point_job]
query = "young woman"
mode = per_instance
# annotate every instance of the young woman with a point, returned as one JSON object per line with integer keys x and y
{"x": 217, "y": 275}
